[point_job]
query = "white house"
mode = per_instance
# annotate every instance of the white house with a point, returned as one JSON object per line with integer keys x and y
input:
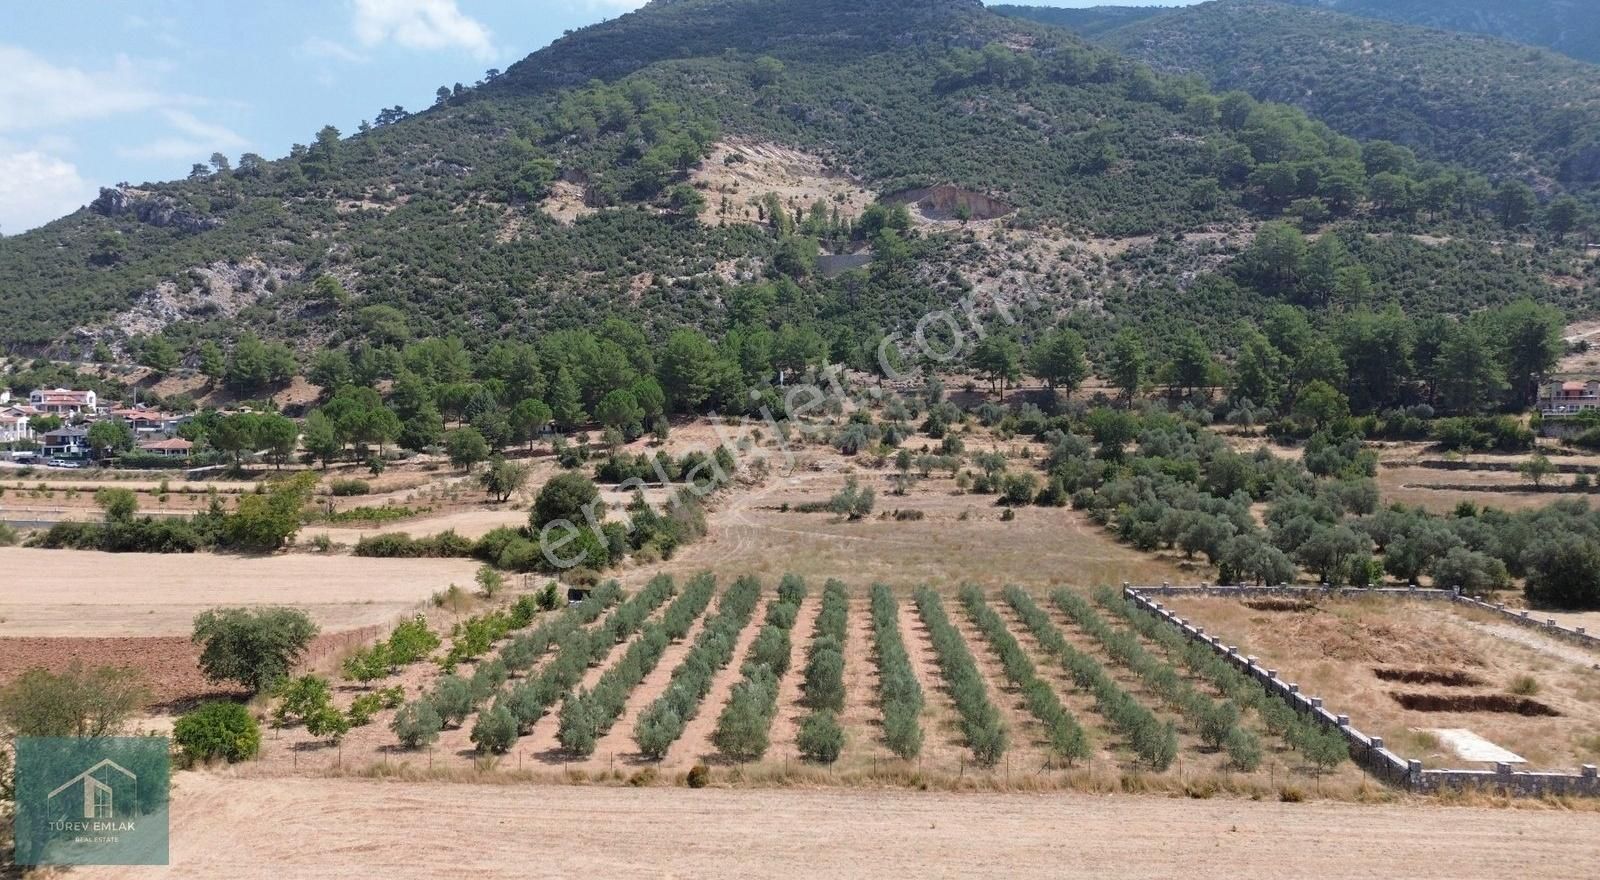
{"x": 14, "y": 426}
{"x": 63, "y": 401}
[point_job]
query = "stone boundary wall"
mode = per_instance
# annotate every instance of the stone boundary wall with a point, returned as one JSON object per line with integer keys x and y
{"x": 1368, "y": 752}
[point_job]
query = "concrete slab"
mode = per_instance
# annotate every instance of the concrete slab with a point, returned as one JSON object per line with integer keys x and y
{"x": 1471, "y": 747}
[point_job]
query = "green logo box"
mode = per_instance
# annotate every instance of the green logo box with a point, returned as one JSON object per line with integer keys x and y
{"x": 92, "y": 801}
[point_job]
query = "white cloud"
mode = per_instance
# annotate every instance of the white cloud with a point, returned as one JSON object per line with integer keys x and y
{"x": 36, "y": 187}
{"x": 193, "y": 139}
{"x": 35, "y": 93}
{"x": 322, "y": 47}
{"x": 421, "y": 24}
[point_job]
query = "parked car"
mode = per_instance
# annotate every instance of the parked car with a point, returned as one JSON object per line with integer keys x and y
{"x": 69, "y": 463}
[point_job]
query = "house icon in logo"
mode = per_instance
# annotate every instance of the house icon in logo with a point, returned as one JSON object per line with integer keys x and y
{"x": 98, "y": 784}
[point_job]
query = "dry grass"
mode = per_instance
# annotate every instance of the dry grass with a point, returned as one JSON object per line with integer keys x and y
{"x": 1332, "y": 652}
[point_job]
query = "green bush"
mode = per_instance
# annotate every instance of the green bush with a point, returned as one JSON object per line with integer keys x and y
{"x": 495, "y": 732}
{"x": 417, "y": 724}
{"x": 221, "y": 730}
{"x": 820, "y": 739}
{"x": 347, "y": 488}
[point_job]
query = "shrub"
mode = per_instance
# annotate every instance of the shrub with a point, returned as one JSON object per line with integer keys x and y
{"x": 495, "y": 732}
{"x": 417, "y": 724}
{"x": 699, "y": 776}
{"x": 1524, "y": 686}
{"x": 452, "y": 699}
{"x": 1244, "y": 750}
{"x": 220, "y": 730}
{"x": 820, "y": 739}
{"x": 411, "y": 641}
{"x": 77, "y": 702}
{"x": 301, "y": 698}
{"x": 347, "y": 488}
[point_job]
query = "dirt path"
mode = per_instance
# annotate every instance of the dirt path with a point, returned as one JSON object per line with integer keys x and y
{"x": 1027, "y": 746}
{"x": 618, "y": 744}
{"x": 786, "y": 726}
{"x": 861, "y": 718}
{"x": 346, "y": 828}
{"x": 942, "y": 742}
{"x": 695, "y": 746}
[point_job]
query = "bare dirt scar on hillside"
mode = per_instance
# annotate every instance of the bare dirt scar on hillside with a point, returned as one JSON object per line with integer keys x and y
{"x": 86, "y": 593}
{"x": 332, "y": 828}
{"x": 739, "y": 173}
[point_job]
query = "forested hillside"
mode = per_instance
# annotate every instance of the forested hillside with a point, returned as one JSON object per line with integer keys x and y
{"x": 1091, "y": 22}
{"x": 573, "y": 187}
{"x": 1493, "y": 106}
{"x": 1571, "y": 27}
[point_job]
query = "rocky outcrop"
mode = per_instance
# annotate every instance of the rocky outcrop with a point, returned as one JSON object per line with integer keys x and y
{"x": 152, "y": 208}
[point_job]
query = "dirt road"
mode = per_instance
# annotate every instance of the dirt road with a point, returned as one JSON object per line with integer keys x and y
{"x": 273, "y": 828}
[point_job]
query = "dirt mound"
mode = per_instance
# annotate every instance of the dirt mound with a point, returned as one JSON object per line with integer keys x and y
{"x": 1445, "y": 677}
{"x": 1280, "y": 605}
{"x": 1503, "y": 703}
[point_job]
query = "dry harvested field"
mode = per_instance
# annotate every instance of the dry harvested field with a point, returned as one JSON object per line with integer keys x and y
{"x": 336, "y": 828}
{"x": 1338, "y": 650}
{"x": 75, "y": 593}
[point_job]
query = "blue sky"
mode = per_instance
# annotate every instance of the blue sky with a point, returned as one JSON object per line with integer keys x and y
{"x": 92, "y": 93}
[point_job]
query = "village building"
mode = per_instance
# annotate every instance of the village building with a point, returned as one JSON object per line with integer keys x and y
{"x": 1569, "y": 397}
{"x": 64, "y": 401}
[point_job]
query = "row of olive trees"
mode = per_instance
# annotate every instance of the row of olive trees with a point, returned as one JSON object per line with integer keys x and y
{"x": 419, "y": 722}
{"x": 821, "y": 738}
{"x": 1066, "y": 736}
{"x": 1216, "y": 722}
{"x": 1323, "y": 747}
{"x": 662, "y": 722}
{"x": 742, "y": 727}
{"x": 1154, "y": 742}
{"x": 517, "y": 708}
{"x": 981, "y": 724}
{"x": 586, "y": 716}
{"x": 899, "y": 693}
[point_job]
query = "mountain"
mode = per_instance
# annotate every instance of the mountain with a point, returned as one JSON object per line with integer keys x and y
{"x": 1571, "y": 27}
{"x": 722, "y": 163}
{"x": 1090, "y": 22}
{"x": 1491, "y": 105}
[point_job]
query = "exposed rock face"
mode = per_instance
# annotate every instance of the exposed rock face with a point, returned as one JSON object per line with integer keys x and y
{"x": 944, "y": 202}
{"x": 151, "y": 208}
